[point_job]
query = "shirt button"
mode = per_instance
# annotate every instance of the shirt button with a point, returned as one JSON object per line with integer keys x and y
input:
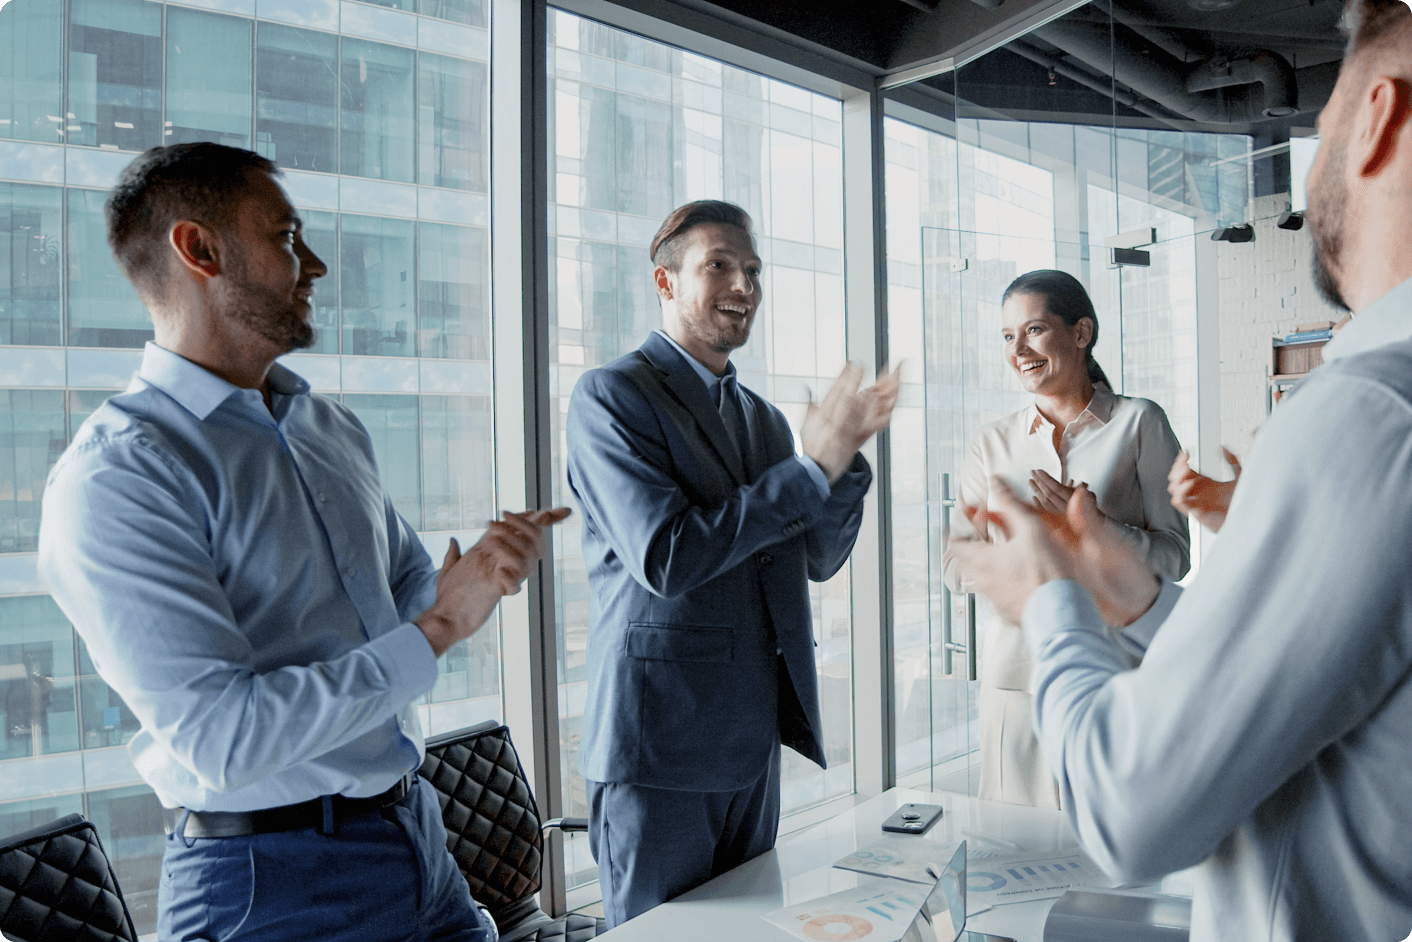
{"x": 766, "y": 559}
{"x": 323, "y": 499}
{"x": 351, "y": 571}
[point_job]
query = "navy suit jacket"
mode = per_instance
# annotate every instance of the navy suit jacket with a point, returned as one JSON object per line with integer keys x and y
{"x": 699, "y": 566}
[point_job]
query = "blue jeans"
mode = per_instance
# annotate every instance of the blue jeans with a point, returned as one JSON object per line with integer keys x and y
{"x": 378, "y": 878}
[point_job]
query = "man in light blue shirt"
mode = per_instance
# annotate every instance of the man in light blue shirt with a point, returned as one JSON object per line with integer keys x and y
{"x": 221, "y": 540}
{"x": 1267, "y": 736}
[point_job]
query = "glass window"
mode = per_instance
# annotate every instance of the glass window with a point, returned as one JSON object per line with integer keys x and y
{"x": 37, "y": 666}
{"x": 31, "y": 439}
{"x": 453, "y": 142}
{"x": 470, "y": 12}
{"x": 296, "y": 97}
{"x": 636, "y": 130}
{"x": 453, "y": 292}
{"x": 377, "y": 280}
{"x": 31, "y": 230}
{"x": 84, "y": 402}
{"x": 129, "y": 823}
{"x": 208, "y": 78}
{"x": 31, "y": 72}
{"x": 459, "y": 463}
{"x": 391, "y": 422}
{"x": 115, "y": 74}
{"x": 377, "y": 107}
{"x": 103, "y": 309}
{"x": 321, "y": 235}
{"x": 19, "y": 816}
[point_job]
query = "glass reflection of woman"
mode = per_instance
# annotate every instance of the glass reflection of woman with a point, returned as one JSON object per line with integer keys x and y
{"x": 1077, "y": 431}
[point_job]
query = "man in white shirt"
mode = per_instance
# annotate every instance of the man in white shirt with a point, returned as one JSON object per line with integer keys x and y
{"x": 1267, "y": 735}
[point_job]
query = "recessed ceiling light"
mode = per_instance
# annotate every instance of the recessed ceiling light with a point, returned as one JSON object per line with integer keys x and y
{"x": 1211, "y": 6}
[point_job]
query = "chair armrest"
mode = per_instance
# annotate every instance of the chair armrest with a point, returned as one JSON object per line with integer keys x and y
{"x": 566, "y": 824}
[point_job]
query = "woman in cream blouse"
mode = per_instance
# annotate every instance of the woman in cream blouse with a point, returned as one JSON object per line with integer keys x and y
{"x": 1076, "y": 431}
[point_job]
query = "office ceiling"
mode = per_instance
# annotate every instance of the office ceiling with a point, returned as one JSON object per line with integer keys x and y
{"x": 1263, "y": 67}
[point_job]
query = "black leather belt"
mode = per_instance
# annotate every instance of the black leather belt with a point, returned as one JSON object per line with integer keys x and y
{"x": 306, "y": 814}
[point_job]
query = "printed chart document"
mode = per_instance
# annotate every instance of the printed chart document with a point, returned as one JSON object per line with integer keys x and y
{"x": 1017, "y": 878}
{"x": 878, "y": 912}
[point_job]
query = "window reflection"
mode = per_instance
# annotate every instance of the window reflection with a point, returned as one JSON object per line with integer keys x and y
{"x": 377, "y": 280}
{"x": 377, "y": 107}
{"x": 392, "y": 423}
{"x": 470, "y": 12}
{"x": 208, "y": 78}
{"x": 31, "y": 73}
{"x": 32, "y": 436}
{"x": 321, "y": 235}
{"x": 296, "y": 97}
{"x": 103, "y": 310}
{"x": 454, "y": 144}
{"x": 453, "y": 292}
{"x": 115, "y": 74}
{"x": 37, "y": 678}
{"x": 31, "y": 230}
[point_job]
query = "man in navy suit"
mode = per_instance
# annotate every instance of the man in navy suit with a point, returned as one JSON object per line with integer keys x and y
{"x": 701, "y": 530}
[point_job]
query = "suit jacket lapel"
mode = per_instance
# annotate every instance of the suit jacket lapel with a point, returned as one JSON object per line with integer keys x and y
{"x": 686, "y": 386}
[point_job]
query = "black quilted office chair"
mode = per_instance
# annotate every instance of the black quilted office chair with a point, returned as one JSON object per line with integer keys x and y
{"x": 494, "y": 832}
{"x": 56, "y": 885}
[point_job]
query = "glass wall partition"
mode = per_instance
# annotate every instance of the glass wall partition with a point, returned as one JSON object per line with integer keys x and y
{"x": 396, "y": 97}
{"x": 1020, "y": 161}
{"x": 638, "y": 128}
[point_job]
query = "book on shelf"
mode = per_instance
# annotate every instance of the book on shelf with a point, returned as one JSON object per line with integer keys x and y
{"x": 1313, "y": 325}
{"x": 1309, "y": 336}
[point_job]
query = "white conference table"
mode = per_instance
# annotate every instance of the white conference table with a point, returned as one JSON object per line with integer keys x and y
{"x": 800, "y": 868}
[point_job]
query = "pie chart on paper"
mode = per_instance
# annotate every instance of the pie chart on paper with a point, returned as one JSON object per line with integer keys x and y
{"x": 838, "y": 927}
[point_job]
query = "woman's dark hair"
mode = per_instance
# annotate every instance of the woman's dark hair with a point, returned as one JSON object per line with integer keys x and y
{"x": 1067, "y": 300}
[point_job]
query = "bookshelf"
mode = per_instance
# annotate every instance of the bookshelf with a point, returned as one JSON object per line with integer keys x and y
{"x": 1294, "y": 356}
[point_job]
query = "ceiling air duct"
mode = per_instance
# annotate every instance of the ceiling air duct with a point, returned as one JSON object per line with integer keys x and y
{"x": 1187, "y": 89}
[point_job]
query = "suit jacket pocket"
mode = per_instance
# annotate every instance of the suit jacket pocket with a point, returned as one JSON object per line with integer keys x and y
{"x": 679, "y": 643}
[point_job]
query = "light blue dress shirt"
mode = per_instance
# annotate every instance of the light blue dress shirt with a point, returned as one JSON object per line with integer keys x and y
{"x": 1267, "y": 734}
{"x": 816, "y": 473}
{"x": 244, "y": 584}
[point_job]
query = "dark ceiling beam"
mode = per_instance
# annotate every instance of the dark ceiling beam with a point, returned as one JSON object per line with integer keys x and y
{"x": 958, "y": 31}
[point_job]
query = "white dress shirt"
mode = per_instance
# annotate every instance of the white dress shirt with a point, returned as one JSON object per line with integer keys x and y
{"x": 244, "y": 584}
{"x": 1122, "y": 448}
{"x": 1267, "y": 735}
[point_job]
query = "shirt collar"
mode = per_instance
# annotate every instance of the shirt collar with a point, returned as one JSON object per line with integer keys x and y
{"x": 706, "y": 375}
{"x": 1382, "y": 322}
{"x": 196, "y": 388}
{"x": 1100, "y": 406}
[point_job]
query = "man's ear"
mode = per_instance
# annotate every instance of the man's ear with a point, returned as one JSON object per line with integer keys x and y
{"x": 1384, "y": 110}
{"x": 196, "y": 248}
{"x": 663, "y": 279}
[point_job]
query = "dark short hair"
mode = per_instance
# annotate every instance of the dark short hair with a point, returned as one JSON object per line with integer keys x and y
{"x": 1065, "y": 298}
{"x": 203, "y": 182}
{"x": 1373, "y": 23}
{"x": 667, "y": 243}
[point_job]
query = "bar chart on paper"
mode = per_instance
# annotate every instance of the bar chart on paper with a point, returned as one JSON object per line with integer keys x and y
{"x": 1015, "y": 878}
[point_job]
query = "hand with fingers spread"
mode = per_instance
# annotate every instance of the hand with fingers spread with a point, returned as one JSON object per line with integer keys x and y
{"x": 1049, "y": 493}
{"x": 1040, "y": 546}
{"x": 848, "y": 416}
{"x": 471, "y": 584}
{"x": 1201, "y": 497}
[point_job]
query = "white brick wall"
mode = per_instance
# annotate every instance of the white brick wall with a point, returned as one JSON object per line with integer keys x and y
{"x": 1266, "y": 289}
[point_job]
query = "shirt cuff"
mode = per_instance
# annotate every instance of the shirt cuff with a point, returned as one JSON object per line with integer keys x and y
{"x": 406, "y": 655}
{"x": 1138, "y": 636}
{"x": 1059, "y": 605}
{"x": 816, "y": 474}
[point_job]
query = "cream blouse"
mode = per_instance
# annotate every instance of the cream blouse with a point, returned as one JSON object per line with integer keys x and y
{"x": 1122, "y": 449}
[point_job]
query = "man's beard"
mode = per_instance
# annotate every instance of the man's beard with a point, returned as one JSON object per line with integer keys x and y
{"x": 1328, "y": 199}
{"x": 270, "y": 315}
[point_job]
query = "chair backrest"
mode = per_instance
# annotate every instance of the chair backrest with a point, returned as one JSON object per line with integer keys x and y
{"x": 492, "y": 821}
{"x": 56, "y": 885}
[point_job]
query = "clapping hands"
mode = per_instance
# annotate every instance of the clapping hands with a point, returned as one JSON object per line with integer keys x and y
{"x": 1203, "y": 498}
{"x": 836, "y": 428}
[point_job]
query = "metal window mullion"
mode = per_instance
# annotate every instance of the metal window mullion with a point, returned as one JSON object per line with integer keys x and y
{"x": 519, "y": 233}
{"x": 865, "y": 293}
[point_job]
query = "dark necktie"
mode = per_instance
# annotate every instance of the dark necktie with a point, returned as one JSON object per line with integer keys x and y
{"x": 727, "y": 397}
